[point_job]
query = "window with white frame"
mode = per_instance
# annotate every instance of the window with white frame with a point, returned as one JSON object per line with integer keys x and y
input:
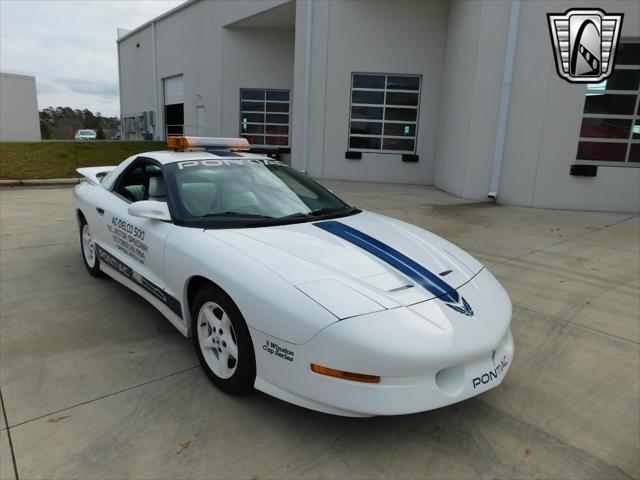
{"x": 384, "y": 113}
{"x": 264, "y": 116}
{"x": 610, "y": 130}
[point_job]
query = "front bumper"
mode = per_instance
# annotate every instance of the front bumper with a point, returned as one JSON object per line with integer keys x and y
{"x": 427, "y": 355}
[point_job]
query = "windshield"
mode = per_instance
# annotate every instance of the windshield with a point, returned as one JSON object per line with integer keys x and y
{"x": 86, "y": 132}
{"x": 245, "y": 192}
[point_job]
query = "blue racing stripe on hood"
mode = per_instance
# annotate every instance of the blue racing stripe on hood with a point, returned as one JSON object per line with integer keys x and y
{"x": 430, "y": 281}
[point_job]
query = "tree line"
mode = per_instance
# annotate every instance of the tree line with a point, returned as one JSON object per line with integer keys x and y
{"x": 62, "y": 123}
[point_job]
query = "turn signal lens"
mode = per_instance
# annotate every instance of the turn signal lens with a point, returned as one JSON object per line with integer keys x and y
{"x": 356, "y": 377}
{"x": 178, "y": 142}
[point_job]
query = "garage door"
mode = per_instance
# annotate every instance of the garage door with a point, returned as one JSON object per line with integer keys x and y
{"x": 173, "y": 90}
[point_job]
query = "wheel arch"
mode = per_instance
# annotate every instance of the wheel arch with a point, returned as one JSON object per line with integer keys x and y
{"x": 191, "y": 289}
{"x": 80, "y": 216}
{"x": 242, "y": 331}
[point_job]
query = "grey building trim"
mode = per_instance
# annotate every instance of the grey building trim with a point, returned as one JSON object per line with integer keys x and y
{"x": 157, "y": 19}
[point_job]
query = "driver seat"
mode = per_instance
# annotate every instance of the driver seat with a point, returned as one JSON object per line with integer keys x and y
{"x": 157, "y": 189}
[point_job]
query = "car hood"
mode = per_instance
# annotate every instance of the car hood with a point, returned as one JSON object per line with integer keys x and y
{"x": 345, "y": 278}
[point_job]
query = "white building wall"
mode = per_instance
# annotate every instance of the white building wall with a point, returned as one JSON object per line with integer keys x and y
{"x": 191, "y": 42}
{"x": 472, "y": 76}
{"x": 544, "y": 117}
{"x": 188, "y": 44}
{"x": 318, "y": 86}
{"x": 372, "y": 37}
{"x": 136, "y": 57}
{"x": 253, "y": 58}
{"x": 137, "y": 93}
{"x": 485, "y": 103}
{"x": 458, "y": 74}
{"x": 19, "y": 120}
{"x": 457, "y": 46}
{"x": 544, "y": 125}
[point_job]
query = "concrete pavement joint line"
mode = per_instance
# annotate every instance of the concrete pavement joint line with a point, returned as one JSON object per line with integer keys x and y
{"x": 116, "y": 289}
{"x": 609, "y": 247}
{"x": 591, "y": 329}
{"x": 37, "y": 246}
{"x": 537, "y": 250}
{"x": 107, "y": 395}
{"x": 6, "y": 422}
{"x": 545, "y": 437}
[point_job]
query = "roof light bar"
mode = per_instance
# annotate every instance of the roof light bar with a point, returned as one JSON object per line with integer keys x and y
{"x": 184, "y": 143}
{"x": 356, "y": 377}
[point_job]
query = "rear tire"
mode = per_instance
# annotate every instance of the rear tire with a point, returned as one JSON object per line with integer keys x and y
{"x": 222, "y": 341}
{"x": 89, "y": 249}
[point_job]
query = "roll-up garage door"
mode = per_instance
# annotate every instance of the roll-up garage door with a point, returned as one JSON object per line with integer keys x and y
{"x": 173, "y": 90}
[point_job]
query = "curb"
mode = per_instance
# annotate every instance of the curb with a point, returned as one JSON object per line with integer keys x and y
{"x": 40, "y": 182}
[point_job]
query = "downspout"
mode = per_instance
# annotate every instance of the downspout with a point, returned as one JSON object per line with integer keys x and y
{"x": 307, "y": 88}
{"x": 122, "y": 129}
{"x": 156, "y": 120}
{"x": 505, "y": 99}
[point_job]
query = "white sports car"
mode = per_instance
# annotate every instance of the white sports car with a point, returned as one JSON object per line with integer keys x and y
{"x": 86, "y": 135}
{"x": 286, "y": 288}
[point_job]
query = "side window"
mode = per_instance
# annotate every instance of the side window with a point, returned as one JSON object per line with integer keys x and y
{"x": 142, "y": 182}
{"x": 132, "y": 185}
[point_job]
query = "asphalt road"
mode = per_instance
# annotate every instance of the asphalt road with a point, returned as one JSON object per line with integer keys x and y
{"x": 96, "y": 384}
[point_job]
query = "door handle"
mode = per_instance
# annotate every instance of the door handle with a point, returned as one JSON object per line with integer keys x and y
{"x": 100, "y": 211}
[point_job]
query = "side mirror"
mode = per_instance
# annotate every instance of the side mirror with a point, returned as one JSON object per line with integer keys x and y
{"x": 150, "y": 209}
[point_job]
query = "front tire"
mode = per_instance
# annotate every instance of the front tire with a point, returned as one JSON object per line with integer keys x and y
{"x": 222, "y": 341}
{"x": 89, "y": 249}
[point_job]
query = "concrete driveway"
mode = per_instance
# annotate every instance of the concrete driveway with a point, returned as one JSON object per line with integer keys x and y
{"x": 96, "y": 384}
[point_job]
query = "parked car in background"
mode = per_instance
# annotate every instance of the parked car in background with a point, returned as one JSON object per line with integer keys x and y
{"x": 85, "y": 135}
{"x": 116, "y": 137}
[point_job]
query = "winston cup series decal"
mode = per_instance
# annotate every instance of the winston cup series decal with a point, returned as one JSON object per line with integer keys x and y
{"x": 584, "y": 43}
{"x": 272, "y": 348}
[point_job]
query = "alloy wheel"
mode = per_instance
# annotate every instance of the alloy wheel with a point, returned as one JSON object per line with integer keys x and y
{"x": 217, "y": 340}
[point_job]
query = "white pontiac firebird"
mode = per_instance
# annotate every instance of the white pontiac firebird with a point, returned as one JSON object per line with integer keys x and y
{"x": 288, "y": 289}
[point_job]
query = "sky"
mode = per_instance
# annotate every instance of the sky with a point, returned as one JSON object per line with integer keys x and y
{"x": 70, "y": 47}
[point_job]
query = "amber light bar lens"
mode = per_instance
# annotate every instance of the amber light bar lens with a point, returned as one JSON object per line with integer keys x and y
{"x": 178, "y": 142}
{"x": 356, "y": 377}
{"x": 182, "y": 143}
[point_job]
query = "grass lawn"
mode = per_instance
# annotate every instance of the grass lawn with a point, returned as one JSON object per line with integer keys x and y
{"x": 22, "y": 161}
